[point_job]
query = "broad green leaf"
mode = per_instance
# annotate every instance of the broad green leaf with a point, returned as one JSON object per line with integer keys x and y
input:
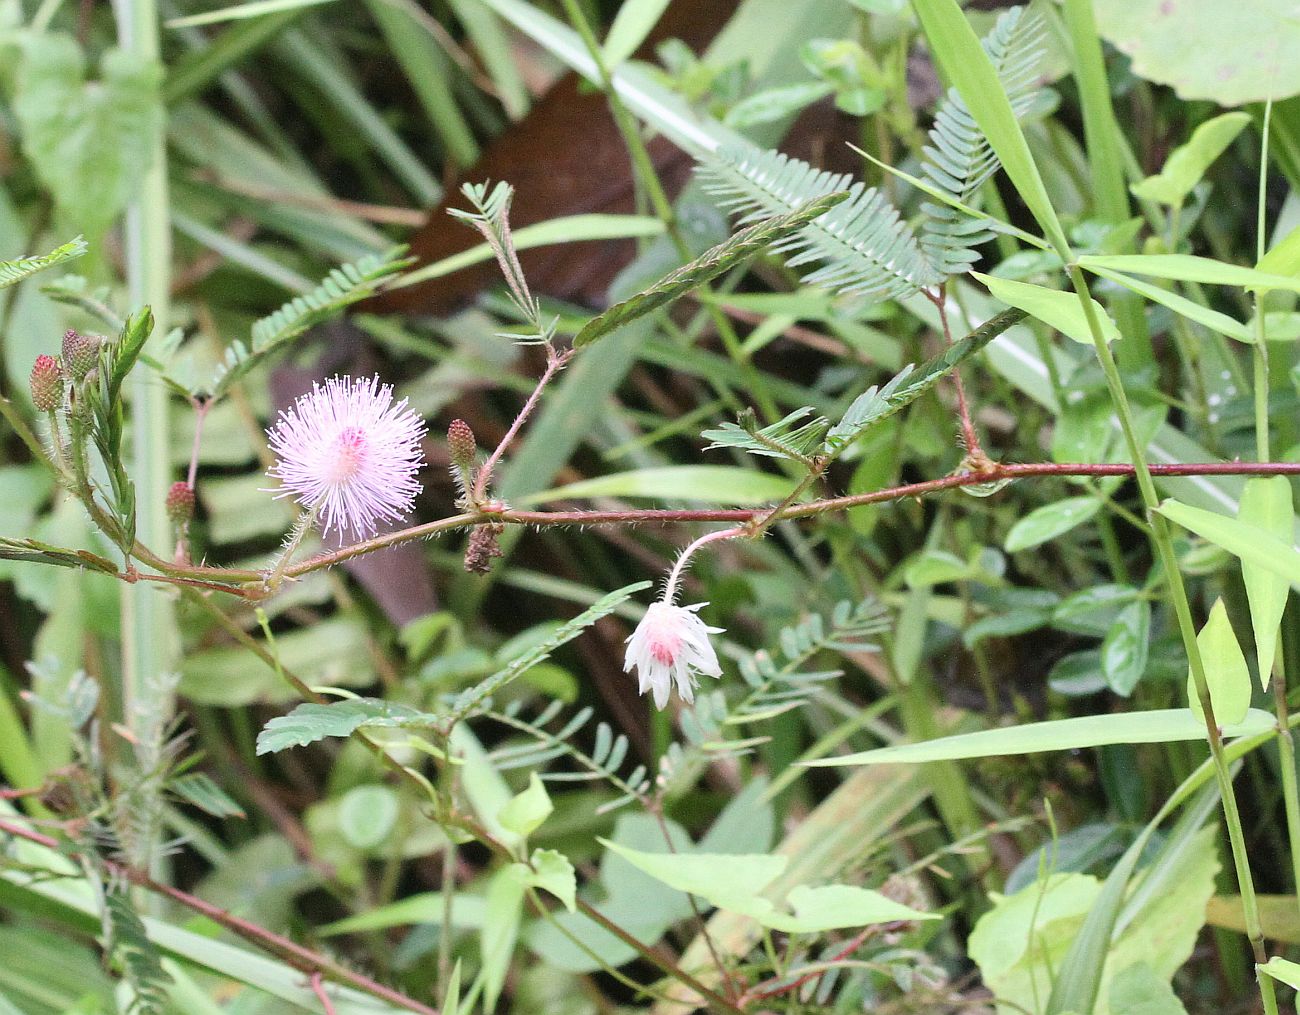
{"x": 553, "y": 872}
{"x": 1282, "y": 970}
{"x": 1245, "y": 541}
{"x": 1212, "y": 319}
{"x": 1125, "y": 648}
{"x": 1189, "y": 268}
{"x": 633, "y": 22}
{"x": 1047, "y": 522}
{"x": 526, "y": 811}
{"x": 310, "y": 721}
{"x": 1188, "y": 162}
{"x": 713, "y": 262}
{"x": 1061, "y": 310}
{"x": 736, "y": 883}
{"x": 834, "y": 907}
{"x": 1228, "y": 53}
{"x": 1154, "y": 727}
{"x": 505, "y": 910}
{"x": 1226, "y": 671}
{"x": 367, "y": 815}
{"x": 727, "y": 881}
{"x": 1266, "y": 506}
{"x": 565, "y": 229}
{"x": 1139, "y": 991}
{"x": 13, "y": 272}
{"x": 88, "y": 141}
{"x": 965, "y": 63}
{"x": 1284, "y": 258}
{"x": 1026, "y": 945}
{"x": 715, "y": 484}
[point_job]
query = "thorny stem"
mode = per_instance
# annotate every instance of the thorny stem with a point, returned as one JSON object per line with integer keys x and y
{"x": 229, "y": 579}
{"x": 319, "y": 966}
{"x": 555, "y": 362}
{"x": 299, "y": 532}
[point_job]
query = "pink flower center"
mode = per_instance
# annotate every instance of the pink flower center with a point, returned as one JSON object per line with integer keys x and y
{"x": 350, "y": 452}
{"x": 664, "y": 646}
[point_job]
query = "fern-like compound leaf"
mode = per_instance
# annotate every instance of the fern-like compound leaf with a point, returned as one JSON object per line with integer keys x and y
{"x": 959, "y": 156}
{"x": 709, "y": 265}
{"x": 13, "y": 272}
{"x": 862, "y": 244}
{"x": 795, "y": 437}
{"x": 342, "y": 287}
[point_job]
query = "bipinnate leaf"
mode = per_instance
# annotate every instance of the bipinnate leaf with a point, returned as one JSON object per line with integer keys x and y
{"x": 342, "y": 287}
{"x": 1266, "y": 505}
{"x": 877, "y": 404}
{"x": 965, "y": 63}
{"x": 472, "y": 698}
{"x": 1226, "y": 672}
{"x": 707, "y": 266}
{"x": 13, "y": 272}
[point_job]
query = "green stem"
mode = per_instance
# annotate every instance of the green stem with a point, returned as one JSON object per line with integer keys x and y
{"x": 150, "y": 646}
{"x": 1182, "y": 608}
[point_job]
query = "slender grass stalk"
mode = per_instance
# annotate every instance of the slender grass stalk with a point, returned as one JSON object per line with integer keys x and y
{"x": 1285, "y": 738}
{"x": 1164, "y": 547}
{"x": 150, "y": 646}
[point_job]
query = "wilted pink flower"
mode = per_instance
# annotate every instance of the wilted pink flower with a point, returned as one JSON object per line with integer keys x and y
{"x": 670, "y": 645}
{"x": 349, "y": 452}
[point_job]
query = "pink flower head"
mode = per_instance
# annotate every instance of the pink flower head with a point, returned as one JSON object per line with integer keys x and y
{"x": 349, "y": 452}
{"x": 671, "y": 644}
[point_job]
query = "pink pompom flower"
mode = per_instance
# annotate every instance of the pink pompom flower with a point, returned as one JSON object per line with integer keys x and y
{"x": 670, "y": 646}
{"x": 349, "y": 453}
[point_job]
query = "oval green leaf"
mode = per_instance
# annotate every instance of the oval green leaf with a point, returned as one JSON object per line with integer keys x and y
{"x": 1060, "y": 310}
{"x": 1047, "y": 522}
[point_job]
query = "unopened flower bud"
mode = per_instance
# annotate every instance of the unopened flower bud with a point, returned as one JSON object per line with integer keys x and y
{"x": 180, "y": 503}
{"x": 47, "y": 383}
{"x": 461, "y": 443}
{"x": 80, "y": 354}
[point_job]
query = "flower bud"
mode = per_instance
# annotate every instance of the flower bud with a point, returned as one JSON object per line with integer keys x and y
{"x": 47, "y": 383}
{"x": 80, "y": 354}
{"x": 180, "y": 503}
{"x": 461, "y": 443}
